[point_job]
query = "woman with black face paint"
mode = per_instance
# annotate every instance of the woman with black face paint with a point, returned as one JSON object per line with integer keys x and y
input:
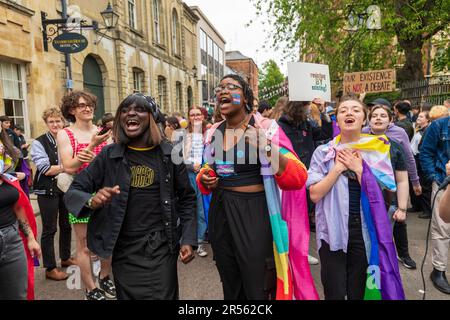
{"x": 139, "y": 196}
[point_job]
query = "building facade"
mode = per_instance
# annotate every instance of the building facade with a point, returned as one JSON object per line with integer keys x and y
{"x": 153, "y": 50}
{"x": 245, "y": 67}
{"x": 211, "y": 58}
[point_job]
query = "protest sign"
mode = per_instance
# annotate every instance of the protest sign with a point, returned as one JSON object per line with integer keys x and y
{"x": 369, "y": 81}
{"x": 308, "y": 81}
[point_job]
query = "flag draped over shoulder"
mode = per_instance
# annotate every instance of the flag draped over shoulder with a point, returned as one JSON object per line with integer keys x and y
{"x": 288, "y": 219}
{"x": 383, "y": 276}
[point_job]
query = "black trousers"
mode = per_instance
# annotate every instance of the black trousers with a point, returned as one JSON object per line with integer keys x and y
{"x": 144, "y": 268}
{"x": 51, "y": 207}
{"x": 401, "y": 239}
{"x": 345, "y": 274}
{"x": 241, "y": 240}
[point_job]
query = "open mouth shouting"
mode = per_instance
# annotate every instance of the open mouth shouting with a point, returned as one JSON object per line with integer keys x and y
{"x": 132, "y": 124}
{"x": 349, "y": 121}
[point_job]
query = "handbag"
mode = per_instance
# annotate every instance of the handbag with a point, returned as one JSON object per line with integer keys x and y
{"x": 64, "y": 180}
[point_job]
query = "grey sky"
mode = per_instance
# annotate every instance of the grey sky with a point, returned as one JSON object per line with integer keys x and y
{"x": 229, "y": 18}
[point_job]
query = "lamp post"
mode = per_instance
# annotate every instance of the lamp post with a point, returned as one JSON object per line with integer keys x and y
{"x": 60, "y": 26}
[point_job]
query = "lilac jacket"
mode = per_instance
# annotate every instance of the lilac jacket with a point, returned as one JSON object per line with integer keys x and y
{"x": 399, "y": 135}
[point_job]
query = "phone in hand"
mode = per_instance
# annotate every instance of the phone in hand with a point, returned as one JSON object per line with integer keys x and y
{"x": 104, "y": 130}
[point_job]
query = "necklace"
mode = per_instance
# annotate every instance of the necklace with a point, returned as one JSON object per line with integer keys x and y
{"x": 239, "y": 125}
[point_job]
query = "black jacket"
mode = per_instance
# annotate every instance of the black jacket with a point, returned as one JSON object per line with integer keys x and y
{"x": 306, "y": 137}
{"x": 111, "y": 168}
{"x": 45, "y": 147}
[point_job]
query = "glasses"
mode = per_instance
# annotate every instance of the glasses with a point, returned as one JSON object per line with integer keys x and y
{"x": 83, "y": 106}
{"x": 195, "y": 115}
{"x": 228, "y": 86}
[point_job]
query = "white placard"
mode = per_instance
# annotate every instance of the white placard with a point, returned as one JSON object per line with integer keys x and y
{"x": 308, "y": 81}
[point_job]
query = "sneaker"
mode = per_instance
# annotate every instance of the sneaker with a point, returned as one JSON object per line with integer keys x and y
{"x": 408, "y": 262}
{"x": 95, "y": 294}
{"x": 107, "y": 285}
{"x": 312, "y": 260}
{"x": 201, "y": 251}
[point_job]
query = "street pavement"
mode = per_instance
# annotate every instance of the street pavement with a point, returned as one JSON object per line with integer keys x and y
{"x": 199, "y": 280}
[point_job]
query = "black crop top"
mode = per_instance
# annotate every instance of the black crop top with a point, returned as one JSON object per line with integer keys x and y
{"x": 9, "y": 196}
{"x": 237, "y": 167}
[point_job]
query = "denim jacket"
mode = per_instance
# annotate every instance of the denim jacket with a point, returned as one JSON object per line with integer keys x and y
{"x": 111, "y": 168}
{"x": 435, "y": 150}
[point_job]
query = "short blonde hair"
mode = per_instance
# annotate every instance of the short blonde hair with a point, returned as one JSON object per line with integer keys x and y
{"x": 52, "y": 112}
{"x": 438, "y": 112}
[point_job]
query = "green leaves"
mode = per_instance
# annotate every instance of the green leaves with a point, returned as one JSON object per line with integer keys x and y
{"x": 316, "y": 31}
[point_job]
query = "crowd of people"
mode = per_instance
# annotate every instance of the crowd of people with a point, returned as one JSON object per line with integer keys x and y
{"x": 143, "y": 189}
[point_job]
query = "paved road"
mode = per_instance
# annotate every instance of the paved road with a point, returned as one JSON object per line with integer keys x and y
{"x": 199, "y": 280}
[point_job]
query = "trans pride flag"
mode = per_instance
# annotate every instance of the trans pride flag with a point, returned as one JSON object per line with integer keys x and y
{"x": 383, "y": 276}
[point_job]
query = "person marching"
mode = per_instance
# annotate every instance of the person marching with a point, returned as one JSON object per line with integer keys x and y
{"x": 77, "y": 147}
{"x": 247, "y": 226}
{"x": 141, "y": 214}
{"x": 19, "y": 249}
{"x": 354, "y": 235}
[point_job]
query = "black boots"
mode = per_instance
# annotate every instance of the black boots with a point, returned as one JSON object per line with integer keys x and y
{"x": 440, "y": 281}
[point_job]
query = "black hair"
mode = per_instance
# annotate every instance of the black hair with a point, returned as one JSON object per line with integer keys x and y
{"x": 248, "y": 92}
{"x": 263, "y": 106}
{"x": 107, "y": 117}
{"x": 403, "y": 107}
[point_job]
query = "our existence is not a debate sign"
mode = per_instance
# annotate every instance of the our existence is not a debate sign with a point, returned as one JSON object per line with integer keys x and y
{"x": 369, "y": 81}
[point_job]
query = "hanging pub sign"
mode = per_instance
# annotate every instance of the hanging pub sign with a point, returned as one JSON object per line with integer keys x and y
{"x": 70, "y": 42}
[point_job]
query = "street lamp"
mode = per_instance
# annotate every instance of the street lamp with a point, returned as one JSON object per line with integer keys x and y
{"x": 110, "y": 17}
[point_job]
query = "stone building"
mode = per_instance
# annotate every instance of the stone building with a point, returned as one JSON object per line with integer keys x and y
{"x": 244, "y": 66}
{"x": 153, "y": 49}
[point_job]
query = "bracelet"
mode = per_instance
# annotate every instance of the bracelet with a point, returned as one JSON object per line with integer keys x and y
{"x": 402, "y": 210}
{"x": 89, "y": 203}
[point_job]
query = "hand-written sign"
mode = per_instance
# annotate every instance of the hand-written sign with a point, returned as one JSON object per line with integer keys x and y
{"x": 308, "y": 81}
{"x": 70, "y": 42}
{"x": 369, "y": 81}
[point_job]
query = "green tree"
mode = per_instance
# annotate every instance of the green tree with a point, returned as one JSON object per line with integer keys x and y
{"x": 270, "y": 76}
{"x": 318, "y": 30}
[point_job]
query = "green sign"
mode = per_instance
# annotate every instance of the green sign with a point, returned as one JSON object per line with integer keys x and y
{"x": 70, "y": 42}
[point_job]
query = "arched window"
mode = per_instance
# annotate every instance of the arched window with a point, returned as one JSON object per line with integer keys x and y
{"x": 175, "y": 32}
{"x": 157, "y": 21}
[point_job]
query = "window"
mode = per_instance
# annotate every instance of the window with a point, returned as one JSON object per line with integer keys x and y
{"x": 179, "y": 96}
{"x": 162, "y": 92}
{"x": 156, "y": 21}
{"x": 210, "y": 47}
{"x": 138, "y": 80}
{"x": 175, "y": 31}
{"x": 203, "y": 40}
{"x": 190, "y": 97}
{"x": 11, "y": 79}
{"x": 132, "y": 13}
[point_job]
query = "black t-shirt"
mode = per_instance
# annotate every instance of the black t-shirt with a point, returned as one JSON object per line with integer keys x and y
{"x": 8, "y": 197}
{"x": 354, "y": 197}
{"x": 143, "y": 214}
{"x": 397, "y": 157}
{"x": 238, "y": 166}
